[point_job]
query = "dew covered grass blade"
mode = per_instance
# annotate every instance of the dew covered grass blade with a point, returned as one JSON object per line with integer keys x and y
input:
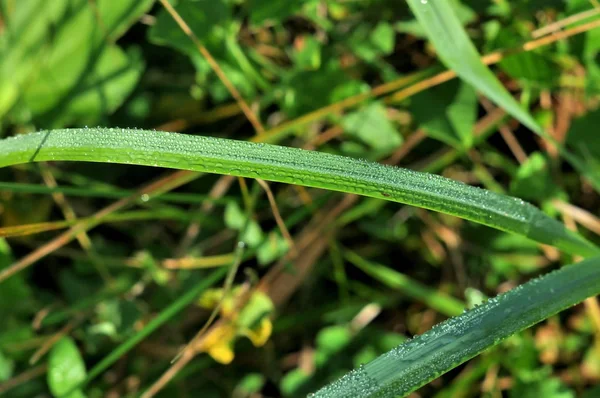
{"x": 295, "y": 166}
{"x": 456, "y": 50}
{"x": 428, "y": 356}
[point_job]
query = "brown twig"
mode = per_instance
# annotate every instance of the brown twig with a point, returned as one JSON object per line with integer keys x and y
{"x": 215, "y": 67}
{"x": 507, "y": 134}
{"x": 553, "y": 27}
{"x": 277, "y": 216}
{"x": 24, "y": 377}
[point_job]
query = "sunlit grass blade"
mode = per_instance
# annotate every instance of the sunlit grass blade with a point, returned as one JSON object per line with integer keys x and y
{"x": 456, "y": 50}
{"x": 138, "y": 215}
{"x": 458, "y": 53}
{"x": 88, "y": 192}
{"x": 439, "y": 301}
{"x": 296, "y": 166}
{"x": 426, "y": 357}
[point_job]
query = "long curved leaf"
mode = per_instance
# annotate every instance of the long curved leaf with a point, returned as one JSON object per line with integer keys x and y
{"x": 296, "y": 166}
{"x": 426, "y": 357}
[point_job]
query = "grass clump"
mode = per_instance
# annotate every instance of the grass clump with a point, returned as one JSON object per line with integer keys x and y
{"x": 325, "y": 199}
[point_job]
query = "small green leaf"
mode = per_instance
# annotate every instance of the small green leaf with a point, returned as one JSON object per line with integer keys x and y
{"x": 15, "y": 293}
{"x": 204, "y": 17}
{"x": 273, "y": 247}
{"x": 306, "y": 91}
{"x": 293, "y": 381}
{"x": 527, "y": 67}
{"x": 533, "y": 180}
{"x": 383, "y": 37}
{"x": 7, "y": 366}
{"x": 236, "y": 219}
{"x": 250, "y": 384}
{"x": 332, "y": 339}
{"x": 371, "y": 125}
{"x": 66, "y": 369}
{"x": 308, "y": 57}
{"x": 547, "y": 387}
{"x": 447, "y": 112}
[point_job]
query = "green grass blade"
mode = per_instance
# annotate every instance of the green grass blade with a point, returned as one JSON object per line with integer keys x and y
{"x": 88, "y": 192}
{"x": 426, "y": 357}
{"x": 296, "y": 166}
{"x": 168, "y": 313}
{"x": 456, "y": 50}
{"x": 439, "y": 301}
{"x": 458, "y": 53}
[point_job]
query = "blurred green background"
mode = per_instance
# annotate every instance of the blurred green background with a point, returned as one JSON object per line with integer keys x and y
{"x": 370, "y": 274}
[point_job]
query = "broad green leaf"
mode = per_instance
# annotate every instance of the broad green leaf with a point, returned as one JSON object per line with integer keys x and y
{"x": 447, "y": 112}
{"x": 426, "y": 357}
{"x": 66, "y": 369}
{"x": 456, "y": 50}
{"x": 57, "y": 53}
{"x": 371, "y": 125}
{"x": 103, "y": 88}
{"x": 296, "y": 166}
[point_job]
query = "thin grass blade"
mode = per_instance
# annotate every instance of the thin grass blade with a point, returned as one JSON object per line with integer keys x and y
{"x": 457, "y": 52}
{"x": 295, "y": 166}
{"x": 438, "y": 301}
{"x": 426, "y": 357}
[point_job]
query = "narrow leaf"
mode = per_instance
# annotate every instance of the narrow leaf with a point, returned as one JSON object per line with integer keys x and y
{"x": 456, "y": 50}
{"x": 458, "y": 53}
{"x": 295, "y": 166}
{"x": 426, "y": 357}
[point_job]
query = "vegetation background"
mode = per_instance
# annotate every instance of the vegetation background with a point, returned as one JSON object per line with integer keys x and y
{"x": 326, "y": 281}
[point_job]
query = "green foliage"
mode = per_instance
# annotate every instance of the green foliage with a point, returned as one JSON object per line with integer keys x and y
{"x": 80, "y": 76}
{"x": 390, "y": 295}
{"x": 66, "y": 369}
{"x": 371, "y": 126}
{"x": 447, "y": 113}
{"x": 291, "y": 165}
